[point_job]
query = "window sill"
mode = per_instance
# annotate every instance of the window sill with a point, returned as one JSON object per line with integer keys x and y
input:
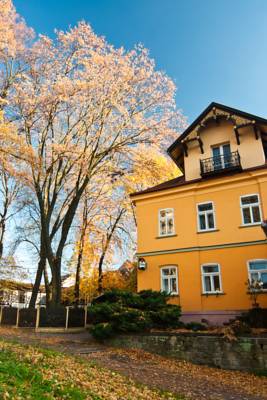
{"x": 249, "y": 225}
{"x": 213, "y": 294}
{"x": 260, "y": 291}
{"x": 172, "y": 295}
{"x": 209, "y": 231}
{"x": 166, "y": 236}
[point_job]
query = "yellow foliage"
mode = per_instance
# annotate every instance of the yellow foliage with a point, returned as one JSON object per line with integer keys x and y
{"x": 150, "y": 168}
{"x": 89, "y": 285}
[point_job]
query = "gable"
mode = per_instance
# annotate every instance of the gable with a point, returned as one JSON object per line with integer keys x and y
{"x": 215, "y": 113}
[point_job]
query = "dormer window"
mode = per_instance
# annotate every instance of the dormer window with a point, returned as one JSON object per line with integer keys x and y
{"x": 221, "y": 156}
{"x": 222, "y": 160}
{"x": 166, "y": 222}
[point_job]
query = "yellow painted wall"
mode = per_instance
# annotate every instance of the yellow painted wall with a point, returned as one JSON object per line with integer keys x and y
{"x": 250, "y": 150}
{"x": 225, "y": 192}
{"x": 234, "y": 274}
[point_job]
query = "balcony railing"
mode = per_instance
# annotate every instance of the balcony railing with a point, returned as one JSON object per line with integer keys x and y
{"x": 216, "y": 165}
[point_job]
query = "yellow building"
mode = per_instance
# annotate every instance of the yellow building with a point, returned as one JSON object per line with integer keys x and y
{"x": 199, "y": 235}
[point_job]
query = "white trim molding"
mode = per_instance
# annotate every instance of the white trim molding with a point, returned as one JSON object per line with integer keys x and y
{"x": 205, "y": 213}
{"x": 169, "y": 278}
{"x": 211, "y": 275}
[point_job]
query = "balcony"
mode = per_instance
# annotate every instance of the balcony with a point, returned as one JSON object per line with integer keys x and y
{"x": 217, "y": 165}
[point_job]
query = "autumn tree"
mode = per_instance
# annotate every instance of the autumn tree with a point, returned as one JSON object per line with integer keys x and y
{"x": 80, "y": 107}
{"x": 111, "y": 218}
{"x": 14, "y": 39}
{"x": 90, "y": 208}
{"x": 11, "y": 199}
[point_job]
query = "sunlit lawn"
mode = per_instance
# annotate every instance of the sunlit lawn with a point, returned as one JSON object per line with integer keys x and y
{"x": 31, "y": 373}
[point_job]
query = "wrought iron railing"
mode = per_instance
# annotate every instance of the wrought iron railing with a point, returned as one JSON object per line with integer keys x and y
{"x": 214, "y": 165}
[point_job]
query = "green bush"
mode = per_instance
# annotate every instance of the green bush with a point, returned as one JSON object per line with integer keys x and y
{"x": 255, "y": 318}
{"x": 153, "y": 300}
{"x": 102, "y": 331}
{"x": 167, "y": 316}
{"x": 131, "y": 320}
{"x": 144, "y": 300}
{"x": 119, "y": 311}
{"x": 103, "y": 312}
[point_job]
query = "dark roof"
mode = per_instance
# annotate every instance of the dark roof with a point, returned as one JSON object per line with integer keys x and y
{"x": 165, "y": 185}
{"x": 206, "y": 111}
{"x": 180, "y": 181}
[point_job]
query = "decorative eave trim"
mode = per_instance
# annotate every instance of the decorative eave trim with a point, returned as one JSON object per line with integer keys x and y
{"x": 214, "y": 111}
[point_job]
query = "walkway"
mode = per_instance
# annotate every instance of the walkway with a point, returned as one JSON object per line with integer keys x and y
{"x": 192, "y": 381}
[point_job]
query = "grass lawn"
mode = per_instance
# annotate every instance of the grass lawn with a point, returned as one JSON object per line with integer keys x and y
{"x": 28, "y": 372}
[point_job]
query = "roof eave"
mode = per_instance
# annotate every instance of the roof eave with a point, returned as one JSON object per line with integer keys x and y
{"x": 206, "y": 111}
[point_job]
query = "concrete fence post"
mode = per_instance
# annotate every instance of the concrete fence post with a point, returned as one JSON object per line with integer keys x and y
{"x": 67, "y": 317}
{"x": 37, "y": 321}
{"x": 17, "y": 320}
{"x": 1, "y": 314}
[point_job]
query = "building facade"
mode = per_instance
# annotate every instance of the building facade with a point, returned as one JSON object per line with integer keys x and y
{"x": 18, "y": 294}
{"x": 199, "y": 235}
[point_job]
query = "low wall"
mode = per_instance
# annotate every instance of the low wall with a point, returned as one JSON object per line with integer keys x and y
{"x": 247, "y": 353}
{"x": 213, "y": 317}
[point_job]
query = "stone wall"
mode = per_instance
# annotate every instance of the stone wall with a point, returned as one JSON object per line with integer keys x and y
{"x": 246, "y": 353}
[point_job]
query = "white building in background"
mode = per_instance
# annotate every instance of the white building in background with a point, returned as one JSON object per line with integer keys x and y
{"x": 16, "y": 294}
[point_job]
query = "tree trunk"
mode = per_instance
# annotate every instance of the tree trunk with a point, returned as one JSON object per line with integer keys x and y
{"x": 79, "y": 266}
{"x": 56, "y": 283}
{"x": 78, "y": 276}
{"x": 105, "y": 249}
{"x": 100, "y": 274}
{"x": 47, "y": 287}
{"x": 3, "y": 230}
{"x": 38, "y": 278}
{"x": 1, "y": 249}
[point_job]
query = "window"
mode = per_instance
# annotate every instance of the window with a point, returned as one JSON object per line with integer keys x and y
{"x": 221, "y": 156}
{"x": 258, "y": 272}
{"x": 169, "y": 280}
{"x": 206, "y": 217}
{"x": 250, "y": 209}
{"x": 166, "y": 222}
{"x": 211, "y": 278}
{"x": 21, "y": 297}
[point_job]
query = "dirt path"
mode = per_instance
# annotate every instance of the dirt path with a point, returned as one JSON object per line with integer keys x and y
{"x": 192, "y": 381}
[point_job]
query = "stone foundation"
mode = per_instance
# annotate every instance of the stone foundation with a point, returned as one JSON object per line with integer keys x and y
{"x": 246, "y": 353}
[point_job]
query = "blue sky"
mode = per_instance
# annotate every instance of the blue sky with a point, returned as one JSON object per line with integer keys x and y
{"x": 214, "y": 50}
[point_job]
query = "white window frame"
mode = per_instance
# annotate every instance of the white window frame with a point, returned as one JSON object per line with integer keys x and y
{"x": 159, "y": 219}
{"x": 205, "y": 213}
{"x": 220, "y": 147}
{"x": 250, "y": 208}
{"x": 169, "y": 277}
{"x": 203, "y": 274}
{"x": 256, "y": 271}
